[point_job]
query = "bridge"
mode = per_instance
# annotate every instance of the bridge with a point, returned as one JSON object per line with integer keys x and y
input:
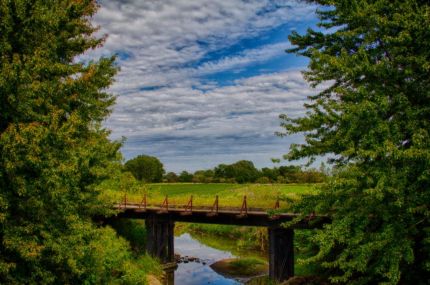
{"x": 160, "y": 221}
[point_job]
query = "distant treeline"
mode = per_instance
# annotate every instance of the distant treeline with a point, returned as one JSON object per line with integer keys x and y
{"x": 150, "y": 169}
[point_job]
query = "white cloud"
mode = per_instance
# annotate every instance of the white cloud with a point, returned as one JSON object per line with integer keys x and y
{"x": 161, "y": 37}
{"x": 243, "y": 59}
{"x": 184, "y": 122}
{"x": 184, "y": 110}
{"x": 164, "y": 106}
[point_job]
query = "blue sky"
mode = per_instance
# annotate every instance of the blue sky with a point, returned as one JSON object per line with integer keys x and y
{"x": 203, "y": 82}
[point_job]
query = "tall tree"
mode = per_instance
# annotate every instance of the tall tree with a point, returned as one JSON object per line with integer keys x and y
{"x": 146, "y": 168}
{"x": 243, "y": 171}
{"x": 184, "y": 176}
{"x": 374, "y": 120}
{"x": 53, "y": 150}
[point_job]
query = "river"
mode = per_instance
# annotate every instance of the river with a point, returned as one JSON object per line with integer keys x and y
{"x": 199, "y": 272}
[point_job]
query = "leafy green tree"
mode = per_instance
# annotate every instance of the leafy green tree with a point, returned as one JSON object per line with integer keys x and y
{"x": 171, "y": 177}
{"x": 125, "y": 182}
{"x": 185, "y": 176}
{"x": 53, "y": 150}
{"x": 243, "y": 171}
{"x": 290, "y": 173}
{"x": 221, "y": 171}
{"x": 146, "y": 168}
{"x": 271, "y": 173}
{"x": 203, "y": 176}
{"x": 199, "y": 176}
{"x": 310, "y": 176}
{"x": 374, "y": 120}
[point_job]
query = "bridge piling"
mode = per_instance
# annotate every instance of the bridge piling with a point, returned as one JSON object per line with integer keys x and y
{"x": 281, "y": 253}
{"x": 159, "y": 242}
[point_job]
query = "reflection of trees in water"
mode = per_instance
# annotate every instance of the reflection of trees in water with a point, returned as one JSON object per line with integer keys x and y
{"x": 241, "y": 246}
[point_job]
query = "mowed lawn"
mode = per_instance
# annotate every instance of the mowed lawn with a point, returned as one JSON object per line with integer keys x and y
{"x": 229, "y": 195}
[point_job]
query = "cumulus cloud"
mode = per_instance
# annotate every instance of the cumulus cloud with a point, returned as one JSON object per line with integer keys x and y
{"x": 250, "y": 106}
{"x": 156, "y": 40}
{"x": 166, "y": 104}
{"x": 219, "y": 125}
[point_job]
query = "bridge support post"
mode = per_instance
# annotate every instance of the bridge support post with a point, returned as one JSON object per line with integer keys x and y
{"x": 281, "y": 253}
{"x": 159, "y": 242}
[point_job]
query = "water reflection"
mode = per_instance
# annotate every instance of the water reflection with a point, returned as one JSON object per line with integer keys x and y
{"x": 199, "y": 273}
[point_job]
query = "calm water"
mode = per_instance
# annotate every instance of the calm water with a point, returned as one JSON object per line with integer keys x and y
{"x": 199, "y": 273}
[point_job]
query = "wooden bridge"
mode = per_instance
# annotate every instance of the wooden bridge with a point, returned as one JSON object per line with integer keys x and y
{"x": 160, "y": 220}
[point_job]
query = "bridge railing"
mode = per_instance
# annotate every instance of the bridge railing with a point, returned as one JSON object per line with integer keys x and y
{"x": 189, "y": 207}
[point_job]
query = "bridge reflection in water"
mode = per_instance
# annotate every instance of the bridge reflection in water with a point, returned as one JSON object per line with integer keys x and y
{"x": 169, "y": 273}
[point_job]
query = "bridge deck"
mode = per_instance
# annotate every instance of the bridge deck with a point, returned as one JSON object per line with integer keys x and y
{"x": 222, "y": 215}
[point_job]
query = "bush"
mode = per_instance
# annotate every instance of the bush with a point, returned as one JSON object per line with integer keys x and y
{"x": 263, "y": 180}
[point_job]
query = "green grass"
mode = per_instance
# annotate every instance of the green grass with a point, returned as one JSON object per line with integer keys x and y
{"x": 241, "y": 267}
{"x": 246, "y": 266}
{"x": 230, "y": 195}
{"x": 177, "y": 189}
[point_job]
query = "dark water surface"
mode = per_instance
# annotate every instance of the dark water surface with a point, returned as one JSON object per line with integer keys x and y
{"x": 200, "y": 273}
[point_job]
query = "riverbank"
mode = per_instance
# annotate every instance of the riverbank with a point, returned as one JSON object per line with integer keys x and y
{"x": 241, "y": 267}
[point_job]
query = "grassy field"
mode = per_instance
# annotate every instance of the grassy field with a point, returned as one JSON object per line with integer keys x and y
{"x": 230, "y": 195}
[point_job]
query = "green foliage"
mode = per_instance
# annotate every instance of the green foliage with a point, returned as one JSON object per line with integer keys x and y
{"x": 120, "y": 182}
{"x": 133, "y": 231}
{"x": 293, "y": 174}
{"x": 145, "y": 168}
{"x": 263, "y": 180}
{"x": 185, "y": 177}
{"x": 106, "y": 259}
{"x": 245, "y": 262}
{"x": 247, "y": 266}
{"x": 373, "y": 118}
{"x": 171, "y": 177}
{"x": 203, "y": 176}
{"x": 242, "y": 171}
{"x": 54, "y": 152}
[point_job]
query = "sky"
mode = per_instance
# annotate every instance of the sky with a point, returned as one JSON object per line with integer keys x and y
{"x": 204, "y": 82}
